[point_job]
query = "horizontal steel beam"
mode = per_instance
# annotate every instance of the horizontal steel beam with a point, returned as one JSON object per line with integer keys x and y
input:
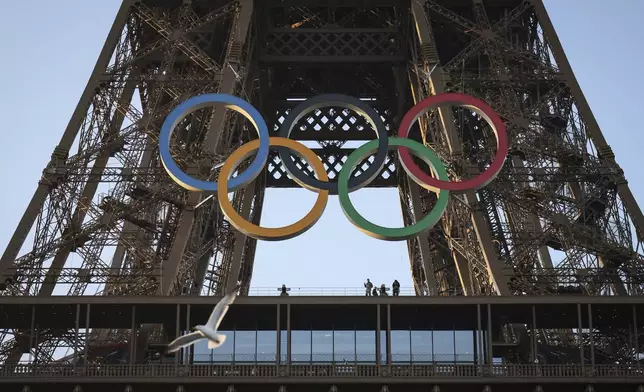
{"x": 332, "y": 59}
{"x": 338, "y": 301}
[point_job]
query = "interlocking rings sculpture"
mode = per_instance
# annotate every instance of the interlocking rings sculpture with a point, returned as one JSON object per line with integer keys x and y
{"x": 346, "y": 184}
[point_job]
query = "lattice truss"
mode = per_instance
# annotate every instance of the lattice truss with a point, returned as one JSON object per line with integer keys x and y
{"x": 106, "y": 218}
{"x": 560, "y": 218}
{"x": 557, "y": 215}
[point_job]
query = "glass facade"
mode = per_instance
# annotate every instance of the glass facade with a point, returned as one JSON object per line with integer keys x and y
{"x": 341, "y": 346}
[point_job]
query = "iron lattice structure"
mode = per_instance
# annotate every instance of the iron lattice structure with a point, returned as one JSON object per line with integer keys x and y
{"x": 559, "y": 219}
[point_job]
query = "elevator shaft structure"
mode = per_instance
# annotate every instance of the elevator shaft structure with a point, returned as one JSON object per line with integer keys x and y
{"x": 559, "y": 219}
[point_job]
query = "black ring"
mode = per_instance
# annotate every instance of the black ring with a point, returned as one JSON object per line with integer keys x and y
{"x": 346, "y": 102}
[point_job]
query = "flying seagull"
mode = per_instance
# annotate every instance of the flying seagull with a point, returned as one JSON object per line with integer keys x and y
{"x": 208, "y": 331}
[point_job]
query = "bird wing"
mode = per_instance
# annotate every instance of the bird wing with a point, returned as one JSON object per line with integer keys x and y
{"x": 221, "y": 309}
{"x": 183, "y": 341}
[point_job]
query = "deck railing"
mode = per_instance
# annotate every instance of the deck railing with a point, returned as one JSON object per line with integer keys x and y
{"x": 322, "y": 291}
{"x": 343, "y": 370}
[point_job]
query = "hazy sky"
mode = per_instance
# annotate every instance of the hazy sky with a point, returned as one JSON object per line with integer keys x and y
{"x": 48, "y": 50}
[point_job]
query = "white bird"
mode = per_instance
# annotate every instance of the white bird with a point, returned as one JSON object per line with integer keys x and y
{"x": 208, "y": 331}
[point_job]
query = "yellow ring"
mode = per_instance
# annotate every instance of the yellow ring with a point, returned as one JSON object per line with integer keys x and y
{"x": 268, "y": 233}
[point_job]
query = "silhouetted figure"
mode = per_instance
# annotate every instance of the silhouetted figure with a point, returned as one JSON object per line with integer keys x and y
{"x": 374, "y": 292}
{"x": 367, "y": 287}
{"x": 396, "y": 286}
{"x": 383, "y": 290}
{"x": 284, "y": 290}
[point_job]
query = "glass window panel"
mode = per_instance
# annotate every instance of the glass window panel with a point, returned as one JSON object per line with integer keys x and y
{"x": 245, "y": 346}
{"x": 266, "y": 346}
{"x": 301, "y": 346}
{"x": 464, "y": 346}
{"x": 322, "y": 346}
{"x": 400, "y": 346}
{"x": 366, "y": 346}
{"x": 443, "y": 346}
{"x": 344, "y": 346}
{"x": 421, "y": 346}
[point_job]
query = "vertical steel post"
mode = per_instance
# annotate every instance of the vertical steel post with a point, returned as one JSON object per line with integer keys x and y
{"x": 76, "y": 332}
{"x": 278, "y": 328}
{"x": 288, "y": 335}
{"x": 388, "y": 334}
{"x": 580, "y": 333}
{"x": 592, "y": 339}
{"x": 490, "y": 354}
{"x": 378, "y": 348}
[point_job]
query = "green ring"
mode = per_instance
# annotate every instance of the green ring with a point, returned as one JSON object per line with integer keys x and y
{"x": 388, "y": 233}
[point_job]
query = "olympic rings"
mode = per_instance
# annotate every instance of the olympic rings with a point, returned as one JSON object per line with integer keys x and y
{"x": 266, "y": 233}
{"x": 346, "y": 183}
{"x": 201, "y": 101}
{"x": 387, "y": 233}
{"x": 343, "y": 101}
{"x": 477, "y": 106}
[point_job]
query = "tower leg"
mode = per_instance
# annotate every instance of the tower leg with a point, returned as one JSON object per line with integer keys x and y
{"x": 437, "y": 80}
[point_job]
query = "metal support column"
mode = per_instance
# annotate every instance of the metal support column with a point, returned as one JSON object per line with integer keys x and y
{"x": 490, "y": 345}
{"x": 533, "y": 336}
{"x": 32, "y": 334}
{"x": 87, "y": 334}
{"x": 178, "y": 333}
{"x": 479, "y": 334}
{"x": 580, "y": 333}
{"x": 388, "y": 333}
{"x": 378, "y": 348}
{"x": 76, "y": 337}
{"x": 636, "y": 330}
{"x": 288, "y": 335}
{"x": 133, "y": 337}
{"x": 278, "y": 342}
{"x": 189, "y": 352}
{"x": 592, "y": 339}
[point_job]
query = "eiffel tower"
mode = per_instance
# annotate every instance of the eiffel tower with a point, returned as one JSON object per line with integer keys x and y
{"x": 559, "y": 219}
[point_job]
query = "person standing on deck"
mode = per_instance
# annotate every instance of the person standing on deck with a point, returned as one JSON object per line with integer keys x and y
{"x": 367, "y": 287}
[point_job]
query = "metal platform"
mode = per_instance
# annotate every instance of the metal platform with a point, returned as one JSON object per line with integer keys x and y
{"x": 486, "y": 317}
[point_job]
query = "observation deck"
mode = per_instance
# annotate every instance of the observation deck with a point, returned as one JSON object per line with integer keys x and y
{"x": 314, "y": 342}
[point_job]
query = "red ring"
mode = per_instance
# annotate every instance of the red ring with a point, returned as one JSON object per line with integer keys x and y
{"x": 474, "y": 104}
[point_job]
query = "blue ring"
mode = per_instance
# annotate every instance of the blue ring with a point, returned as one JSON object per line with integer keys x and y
{"x": 196, "y": 103}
